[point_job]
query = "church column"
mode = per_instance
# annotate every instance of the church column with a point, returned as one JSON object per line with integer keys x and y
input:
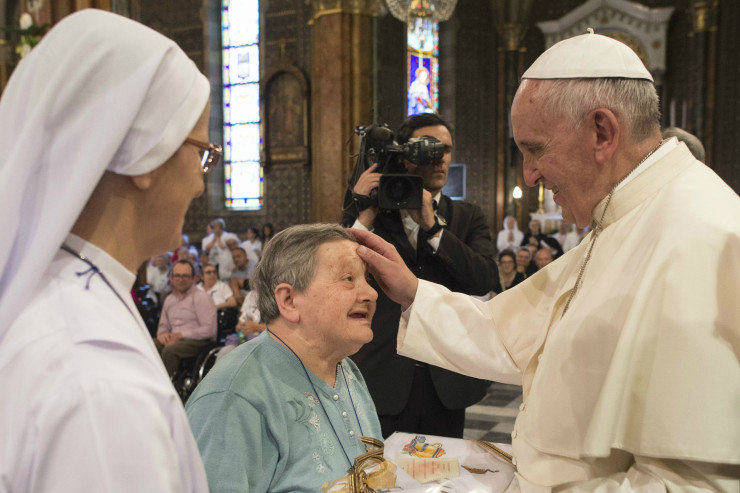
{"x": 510, "y": 19}
{"x": 341, "y": 95}
{"x": 703, "y": 82}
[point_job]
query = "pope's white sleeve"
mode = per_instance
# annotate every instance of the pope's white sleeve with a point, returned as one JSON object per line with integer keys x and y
{"x": 457, "y": 332}
{"x": 648, "y": 475}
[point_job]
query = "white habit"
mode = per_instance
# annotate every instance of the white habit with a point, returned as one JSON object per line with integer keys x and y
{"x": 87, "y": 405}
{"x": 637, "y": 386}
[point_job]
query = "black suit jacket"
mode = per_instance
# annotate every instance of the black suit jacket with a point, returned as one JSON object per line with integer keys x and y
{"x": 463, "y": 262}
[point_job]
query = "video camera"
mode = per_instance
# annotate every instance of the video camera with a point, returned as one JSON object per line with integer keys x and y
{"x": 397, "y": 189}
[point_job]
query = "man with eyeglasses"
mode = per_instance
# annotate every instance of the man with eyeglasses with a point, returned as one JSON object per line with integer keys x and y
{"x": 188, "y": 319}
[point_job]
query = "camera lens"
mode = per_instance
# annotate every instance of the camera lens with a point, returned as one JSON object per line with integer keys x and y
{"x": 399, "y": 190}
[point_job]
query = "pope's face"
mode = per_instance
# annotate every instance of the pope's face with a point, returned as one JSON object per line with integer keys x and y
{"x": 556, "y": 154}
{"x": 338, "y": 306}
{"x": 434, "y": 176}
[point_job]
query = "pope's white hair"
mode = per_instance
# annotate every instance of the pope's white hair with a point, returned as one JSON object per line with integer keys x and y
{"x": 634, "y": 101}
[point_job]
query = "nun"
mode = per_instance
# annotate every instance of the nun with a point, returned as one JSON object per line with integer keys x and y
{"x": 104, "y": 129}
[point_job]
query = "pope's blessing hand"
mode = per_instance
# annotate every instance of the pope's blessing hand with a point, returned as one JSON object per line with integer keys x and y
{"x": 387, "y": 267}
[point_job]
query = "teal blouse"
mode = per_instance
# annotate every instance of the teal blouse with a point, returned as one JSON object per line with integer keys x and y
{"x": 259, "y": 426}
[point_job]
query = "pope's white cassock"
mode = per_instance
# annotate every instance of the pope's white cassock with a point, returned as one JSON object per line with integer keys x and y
{"x": 637, "y": 386}
{"x": 87, "y": 403}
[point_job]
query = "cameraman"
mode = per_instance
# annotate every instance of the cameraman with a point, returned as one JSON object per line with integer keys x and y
{"x": 444, "y": 242}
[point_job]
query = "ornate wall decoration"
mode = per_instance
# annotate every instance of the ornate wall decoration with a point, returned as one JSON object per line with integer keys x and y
{"x": 285, "y": 115}
{"x": 642, "y": 29}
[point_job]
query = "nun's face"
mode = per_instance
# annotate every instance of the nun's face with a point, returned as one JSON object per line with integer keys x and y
{"x": 177, "y": 182}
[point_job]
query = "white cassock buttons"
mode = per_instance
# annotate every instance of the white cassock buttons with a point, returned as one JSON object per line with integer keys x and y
{"x": 344, "y": 414}
{"x": 351, "y": 433}
{"x": 336, "y": 397}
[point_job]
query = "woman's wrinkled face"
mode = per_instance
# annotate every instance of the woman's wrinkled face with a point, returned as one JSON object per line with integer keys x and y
{"x": 339, "y": 303}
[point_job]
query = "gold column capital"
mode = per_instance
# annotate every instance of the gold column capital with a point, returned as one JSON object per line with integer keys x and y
{"x": 511, "y": 36}
{"x": 373, "y": 8}
{"x": 703, "y": 15}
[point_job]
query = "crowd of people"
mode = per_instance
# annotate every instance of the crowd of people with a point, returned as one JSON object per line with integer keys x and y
{"x": 189, "y": 285}
{"x": 531, "y": 251}
{"x": 630, "y": 377}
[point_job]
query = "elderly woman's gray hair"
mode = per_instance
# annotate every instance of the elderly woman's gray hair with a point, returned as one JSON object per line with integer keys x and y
{"x": 290, "y": 257}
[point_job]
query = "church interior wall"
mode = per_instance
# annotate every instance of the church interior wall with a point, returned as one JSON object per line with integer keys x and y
{"x": 468, "y": 72}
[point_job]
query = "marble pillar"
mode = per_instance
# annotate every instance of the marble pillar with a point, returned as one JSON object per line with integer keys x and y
{"x": 341, "y": 96}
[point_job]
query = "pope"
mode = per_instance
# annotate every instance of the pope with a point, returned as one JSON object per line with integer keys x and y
{"x": 627, "y": 346}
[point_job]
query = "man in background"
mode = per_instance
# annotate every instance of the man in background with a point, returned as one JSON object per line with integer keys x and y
{"x": 447, "y": 242}
{"x": 188, "y": 319}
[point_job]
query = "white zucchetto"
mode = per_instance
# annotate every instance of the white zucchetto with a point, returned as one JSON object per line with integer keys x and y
{"x": 588, "y": 56}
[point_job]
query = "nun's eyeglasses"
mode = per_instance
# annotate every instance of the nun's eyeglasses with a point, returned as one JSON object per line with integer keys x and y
{"x": 210, "y": 154}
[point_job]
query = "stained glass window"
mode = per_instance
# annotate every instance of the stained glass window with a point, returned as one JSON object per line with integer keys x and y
{"x": 243, "y": 176}
{"x": 423, "y": 66}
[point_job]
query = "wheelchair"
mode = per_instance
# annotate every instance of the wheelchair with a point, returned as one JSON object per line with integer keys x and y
{"x": 192, "y": 370}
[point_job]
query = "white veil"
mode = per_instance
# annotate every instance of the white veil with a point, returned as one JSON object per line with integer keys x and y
{"x": 99, "y": 92}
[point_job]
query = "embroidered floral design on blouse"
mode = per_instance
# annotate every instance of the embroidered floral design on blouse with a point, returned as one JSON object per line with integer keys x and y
{"x": 321, "y": 468}
{"x": 314, "y": 401}
{"x": 314, "y": 421}
{"x": 328, "y": 443}
{"x": 316, "y": 457}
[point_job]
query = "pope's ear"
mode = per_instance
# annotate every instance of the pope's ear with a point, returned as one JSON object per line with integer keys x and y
{"x": 607, "y": 131}
{"x": 286, "y": 302}
{"x": 142, "y": 182}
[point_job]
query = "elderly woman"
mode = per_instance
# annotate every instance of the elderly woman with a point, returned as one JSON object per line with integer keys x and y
{"x": 221, "y": 293}
{"x": 104, "y": 130}
{"x": 285, "y": 411}
{"x": 508, "y": 276}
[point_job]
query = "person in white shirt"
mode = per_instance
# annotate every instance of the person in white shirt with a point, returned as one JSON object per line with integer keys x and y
{"x": 216, "y": 246}
{"x": 158, "y": 277}
{"x": 104, "y": 122}
{"x": 510, "y": 237}
{"x": 253, "y": 242}
{"x": 221, "y": 293}
{"x": 566, "y": 236}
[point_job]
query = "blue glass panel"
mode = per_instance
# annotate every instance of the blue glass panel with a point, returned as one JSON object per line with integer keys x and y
{"x": 422, "y": 95}
{"x": 421, "y": 35}
{"x": 243, "y": 184}
{"x": 225, "y": 31}
{"x": 245, "y": 142}
{"x": 243, "y": 22}
{"x": 246, "y": 181}
{"x": 227, "y": 143}
{"x": 244, "y": 105}
{"x": 243, "y": 64}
